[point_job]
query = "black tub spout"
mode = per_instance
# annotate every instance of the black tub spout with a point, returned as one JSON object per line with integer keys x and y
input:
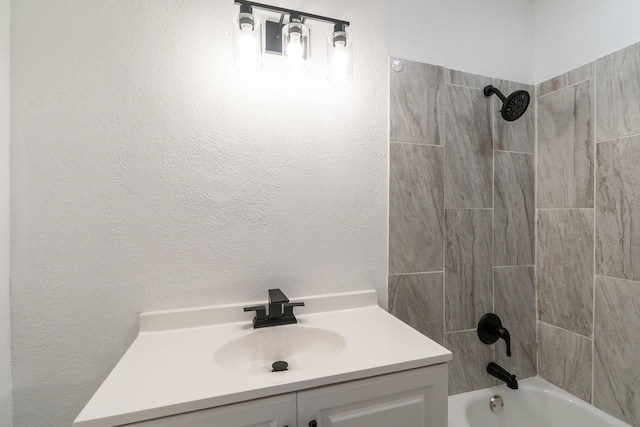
{"x": 500, "y": 373}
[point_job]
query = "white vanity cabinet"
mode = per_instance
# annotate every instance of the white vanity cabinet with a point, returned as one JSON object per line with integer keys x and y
{"x": 276, "y": 411}
{"x": 413, "y": 398}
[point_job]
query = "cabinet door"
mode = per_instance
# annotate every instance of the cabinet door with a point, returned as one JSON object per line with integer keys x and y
{"x": 415, "y": 398}
{"x": 277, "y": 411}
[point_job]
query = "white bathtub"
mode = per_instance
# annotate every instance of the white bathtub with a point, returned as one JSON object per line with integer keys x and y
{"x": 536, "y": 403}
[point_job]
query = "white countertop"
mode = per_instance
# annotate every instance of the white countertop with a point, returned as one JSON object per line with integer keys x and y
{"x": 170, "y": 368}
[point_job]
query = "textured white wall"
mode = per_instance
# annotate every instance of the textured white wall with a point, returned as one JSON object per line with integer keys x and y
{"x": 571, "y": 33}
{"x": 148, "y": 174}
{"x": 5, "y": 324}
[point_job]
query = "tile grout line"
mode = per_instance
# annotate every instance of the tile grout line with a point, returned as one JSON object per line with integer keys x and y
{"x": 595, "y": 183}
{"x": 492, "y": 108}
{"x": 462, "y": 86}
{"x": 389, "y": 71}
{"x": 617, "y": 139}
{"x": 414, "y": 143}
{"x": 513, "y": 266}
{"x": 617, "y": 278}
{"x": 566, "y": 330}
{"x": 415, "y": 274}
{"x": 568, "y": 86}
{"x": 443, "y": 142}
{"x": 565, "y": 209}
{"x": 460, "y": 331}
{"x": 468, "y": 209}
{"x": 535, "y": 232}
{"x": 514, "y": 152}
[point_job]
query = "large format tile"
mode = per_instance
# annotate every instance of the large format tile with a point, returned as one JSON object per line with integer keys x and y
{"x": 565, "y": 359}
{"x": 518, "y": 135}
{"x": 515, "y": 303}
{"x": 514, "y": 209}
{"x": 565, "y": 269}
{"x": 461, "y": 78}
{"x": 468, "y": 369}
{"x": 572, "y": 77}
{"x": 618, "y": 209}
{"x": 618, "y": 96}
{"x": 417, "y": 299}
{"x": 469, "y": 152}
{"x": 416, "y": 104}
{"x": 468, "y": 263}
{"x": 566, "y": 148}
{"x": 416, "y": 209}
{"x": 617, "y": 349}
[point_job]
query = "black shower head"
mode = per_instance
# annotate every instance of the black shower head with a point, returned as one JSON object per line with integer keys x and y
{"x": 513, "y": 106}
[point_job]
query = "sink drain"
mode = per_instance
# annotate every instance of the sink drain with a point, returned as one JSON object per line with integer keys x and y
{"x": 279, "y": 366}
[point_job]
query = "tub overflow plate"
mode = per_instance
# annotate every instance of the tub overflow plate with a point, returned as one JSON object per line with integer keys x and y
{"x": 497, "y": 404}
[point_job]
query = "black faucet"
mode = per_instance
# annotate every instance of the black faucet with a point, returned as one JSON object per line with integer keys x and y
{"x": 500, "y": 373}
{"x": 280, "y": 311}
{"x": 490, "y": 330}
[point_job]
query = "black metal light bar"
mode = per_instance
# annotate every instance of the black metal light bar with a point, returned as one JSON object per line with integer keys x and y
{"x": 292, "y": 12}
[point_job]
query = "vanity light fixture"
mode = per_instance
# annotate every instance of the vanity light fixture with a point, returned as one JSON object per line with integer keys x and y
{"x": 290, "y": 40}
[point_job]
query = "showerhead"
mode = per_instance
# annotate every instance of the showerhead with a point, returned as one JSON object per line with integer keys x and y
{"x": 513, "y": 106}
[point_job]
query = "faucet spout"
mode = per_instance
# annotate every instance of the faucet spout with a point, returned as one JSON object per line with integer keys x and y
{"x": 280, "y": 311}
{"x": 276, "y": 299}
{"x": 503, "y": 375}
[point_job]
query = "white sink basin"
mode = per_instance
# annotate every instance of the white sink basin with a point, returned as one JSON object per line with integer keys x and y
{"x": 302, "y": 347}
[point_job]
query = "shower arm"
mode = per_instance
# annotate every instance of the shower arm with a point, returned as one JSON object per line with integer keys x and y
{"x": 489, "y": 90}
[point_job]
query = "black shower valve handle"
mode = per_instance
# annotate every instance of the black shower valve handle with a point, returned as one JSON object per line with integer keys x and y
{"x": 490, "y": 330}
{"x": 504, "y": 334}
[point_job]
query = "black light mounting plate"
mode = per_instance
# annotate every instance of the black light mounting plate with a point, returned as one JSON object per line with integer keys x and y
{"x": 273, "y": 37}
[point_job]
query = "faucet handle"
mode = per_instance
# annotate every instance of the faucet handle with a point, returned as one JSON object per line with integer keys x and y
{"x": 288, "y": 307}
{"x": 261, "y": 311}
{"x": 276, "y": 296}
{"x": 490, "y": 330}
{"x": 504, "y": 334}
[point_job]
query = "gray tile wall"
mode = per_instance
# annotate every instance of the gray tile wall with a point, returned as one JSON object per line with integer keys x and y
{"x": 566, "y": 147}
{"x": 468, "y": 148}
{"x": 416, "y": 208}
{"x": 513, "y": 209}
{"x": 589, "y": 233}
{"x": 514, "y": 292}
{"x": 565, "y": 359}
{"x": 469, "y": 291}
{"x": 565, "y": 269}
{"x": 444, "y": 220}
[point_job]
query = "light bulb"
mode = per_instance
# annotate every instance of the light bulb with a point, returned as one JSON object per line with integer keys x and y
{"x": 339, "y": 60}
{"x": 247, "y": 45}
{"x": 247, "y": 41}
{"x": 340, "y": 56}
{"x": 294, "y": 49}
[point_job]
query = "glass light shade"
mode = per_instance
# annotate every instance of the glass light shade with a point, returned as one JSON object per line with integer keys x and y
{"x": 247, "y": 42}
{"x": 295, "y": 48}
{"x": 340, "y": 57}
